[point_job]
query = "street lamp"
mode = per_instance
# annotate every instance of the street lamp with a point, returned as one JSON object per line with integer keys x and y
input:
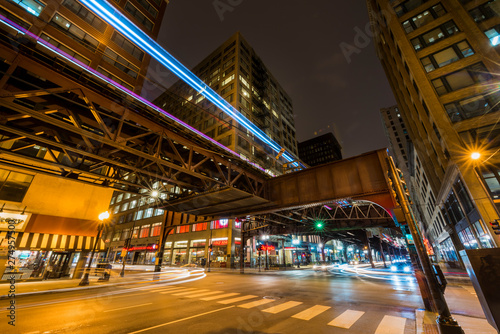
{"x": 102, "y": 217}
{"x": 475, "y": 155}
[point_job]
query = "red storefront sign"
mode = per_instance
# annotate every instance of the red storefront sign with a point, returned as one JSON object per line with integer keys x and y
{"x": 268, "y": 247}
{"x": 219, "y": 243}
{"x": 138, "y": 248}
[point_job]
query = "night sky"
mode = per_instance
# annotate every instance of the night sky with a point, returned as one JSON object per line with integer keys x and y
{"x": 301, "y": 45}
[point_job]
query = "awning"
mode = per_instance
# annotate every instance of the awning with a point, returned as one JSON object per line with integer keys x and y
{"x": 56, "y": 242}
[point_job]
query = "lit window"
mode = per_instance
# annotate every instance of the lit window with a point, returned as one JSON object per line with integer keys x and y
{"x": 34, "y": 7}
{"x": 14, "y": 185}
{"x": 155, "y": 229}
{"x": 144, "y": 231}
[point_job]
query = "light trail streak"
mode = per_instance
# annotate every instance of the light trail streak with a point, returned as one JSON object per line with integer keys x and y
{"x": 115, "y": 18}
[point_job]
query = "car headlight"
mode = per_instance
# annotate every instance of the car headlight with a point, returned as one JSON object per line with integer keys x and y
{"x": 323, "y": 267}
{"x": 406, "y": 269}
{"x": 314, "y": 267}
{"x": 394, "y": 268}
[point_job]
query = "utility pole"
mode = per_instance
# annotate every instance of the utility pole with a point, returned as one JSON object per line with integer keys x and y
{"x": 446, "y": 323}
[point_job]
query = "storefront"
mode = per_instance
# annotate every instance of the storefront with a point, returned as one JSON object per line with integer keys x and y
{"x": 180, "y": 255}
{"x": 197, "y": 252}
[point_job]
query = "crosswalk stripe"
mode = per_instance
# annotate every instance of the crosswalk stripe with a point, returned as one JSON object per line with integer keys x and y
{"x": 391, "y": 325}
{"x": 166, "y": 289}
{"x": 346, "y": 319}
{"x": 220, "y": 296}
{"x": 256, "y": 303}
{"x": 311, "y": 312}
{"x": 203, "y": 294}
{"x": 189, "y": 292}
{"x": 281, "y": 307}
{"x": 237, "y": 299}
{"x": 171, "y": 291}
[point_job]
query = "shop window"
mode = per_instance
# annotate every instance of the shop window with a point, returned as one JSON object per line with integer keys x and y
{"x": 155, "y": 229}
{"x": 144, "y": 231}
{"x": 14, "y": 185}
{"x": 218, "y": 224}
{"x": 183, "y": 229}
{"x": 199, "y": 227}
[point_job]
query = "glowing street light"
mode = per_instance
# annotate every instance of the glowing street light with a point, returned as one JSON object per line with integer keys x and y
{"x": 475, "y": 155}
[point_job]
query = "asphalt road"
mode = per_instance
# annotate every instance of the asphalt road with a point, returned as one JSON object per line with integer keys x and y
{"x": 302, "y": 301}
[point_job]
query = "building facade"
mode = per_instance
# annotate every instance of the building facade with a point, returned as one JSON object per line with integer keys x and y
{"x": 441, "y": 60}
{"x": 236, "y": 73}
{"x": 320, "y": 150}
{"x": 59, "y": 214}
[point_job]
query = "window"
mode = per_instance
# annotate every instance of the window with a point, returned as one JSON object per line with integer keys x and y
{"x": 135, "y": 233}
{"x": 155, "y": 229}
{"x": 116, "y": 236}
{"x": 64, "y": 48}
{"x": 423, "y": 18}
{"x": 127, "y": 46}
{"x": 144, "y": 231}
{"x": 218, "y": 224}
{"x": 85, "y": 14}
{"x": 124, "y": 207}
{"x": 125, "y": 234}
{"x": 494, "y": 35}
{"x": 13, "y": 185}
{"x": 133, "y": 204}
{"x": 114, "y": 78}
{"x": 447, "y": 56}
{"x": 34, "y": 7}
{"x": 120, "y": 63}
{"x": 159, "y": 212}
{"x": 183, "y": 229}
{"x": 435, "y": 35}
{"x": 148, "y": 213}
{"x": 485, "y": 11}
{"x": 473, "y": 106}
{"x": 147, "y": 6}
{"x": 228, "y": 80}
{"x": 469, "y": 76}
{"x": 76, "y": 32}
{"x": 407, "y": 6}
{"x": 138, "y": 215}
{"x": 199, "y": 227}
{"x": 139, "y": 16}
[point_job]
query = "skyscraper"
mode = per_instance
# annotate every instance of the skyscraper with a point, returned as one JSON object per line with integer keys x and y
{"x": 235, "y": 72}
{"x": 320, "y": 150}
{"x": 440, "y": 59}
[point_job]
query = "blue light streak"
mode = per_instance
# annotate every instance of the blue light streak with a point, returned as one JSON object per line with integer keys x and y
{"x": 116, "y": 19}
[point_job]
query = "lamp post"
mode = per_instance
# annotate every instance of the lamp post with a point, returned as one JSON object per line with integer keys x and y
{"x": 103, "y": 216}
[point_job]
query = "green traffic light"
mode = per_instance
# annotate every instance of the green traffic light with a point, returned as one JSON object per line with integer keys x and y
{"x": 319, "y": 225}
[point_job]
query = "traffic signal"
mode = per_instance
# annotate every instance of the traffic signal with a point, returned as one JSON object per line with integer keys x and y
{"x": 319, "y": 225}
{"x": 210, "y": 249}
{"x": 495, "y": 226}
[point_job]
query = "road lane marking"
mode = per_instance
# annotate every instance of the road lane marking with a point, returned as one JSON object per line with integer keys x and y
{"x": 189, "y": 292}
{"x": 157, "y": 289}
{"x": 311, "y": 312}
{"x": 346, "y": 319}
{"x": 171, "y": 291}
{"x": 124, "y": 308}
{"x": 281, "y": 307}
{"x": 237, "y": 299}
{"x": 256, "y": 303}
{"x": 203, "y": 294}
{"x": 175, "y": 321}
{"x": 391, "y": 325}
{"x": 220, "y": 296}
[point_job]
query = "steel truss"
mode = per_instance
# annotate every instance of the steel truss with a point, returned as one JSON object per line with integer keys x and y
{"x": 66, "y": 123}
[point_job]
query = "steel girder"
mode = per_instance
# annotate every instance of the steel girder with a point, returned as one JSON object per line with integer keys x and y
{"x": 58, "y": 121}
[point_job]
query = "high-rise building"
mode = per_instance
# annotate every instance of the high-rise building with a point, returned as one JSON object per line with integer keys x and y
{"x": 427, "y": 213}
{"x": 236, "y": 73}
{"x": 440, "y": 58}
{"x": 320, "y": 150}
{"x": 58, "y": 215}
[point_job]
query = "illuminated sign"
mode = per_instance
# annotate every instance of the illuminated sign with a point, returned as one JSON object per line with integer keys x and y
{"x": 267, "y": 248}
{"x": 219, "y": 243}
{"x": 13, "y": 221}
{"x": 138, "y": 248}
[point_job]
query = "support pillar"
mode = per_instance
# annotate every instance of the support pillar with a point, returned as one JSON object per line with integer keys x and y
{"x": 382, "y": 252}
{"x": 369, "y": 248}
{"x": 242, "y": 251}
